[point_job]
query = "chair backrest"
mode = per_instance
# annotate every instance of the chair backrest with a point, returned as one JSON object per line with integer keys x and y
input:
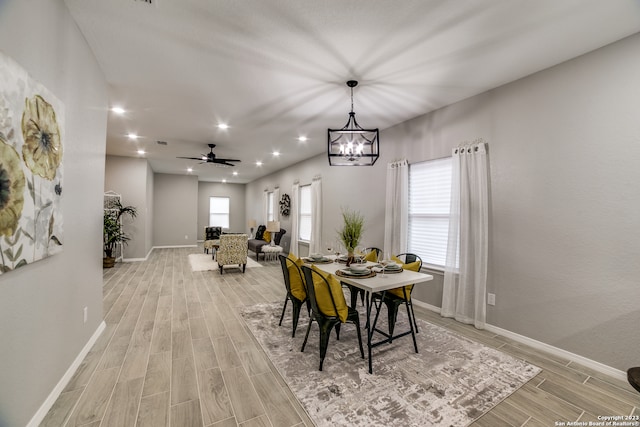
{"x": 367, "y": 250}
{"x": 233, "y": 249}
{"x": 286, "y": 263}
{"x": 212, "y": 233}
{"x": 408, "y": 258}
{"x": 313, "y": 279}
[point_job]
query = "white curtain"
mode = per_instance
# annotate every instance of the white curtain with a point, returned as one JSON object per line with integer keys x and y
{"x": 315, "y": 242}
{"x": 276, "y": 204}
{"x": 396, "y": 217}
{"x": 265, "y": 207}
{"x": 294, "y": 212}
{"x": 465, "y": 276}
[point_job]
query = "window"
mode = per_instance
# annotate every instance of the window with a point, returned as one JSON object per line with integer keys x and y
{"x": 304, "y": 222}
{"x": 429, "y": 199}
{"x": 219, "y": 212}
{"x": 270, "y": 206}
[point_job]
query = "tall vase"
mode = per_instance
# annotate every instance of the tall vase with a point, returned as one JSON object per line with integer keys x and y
{"x": 350, "y": 257}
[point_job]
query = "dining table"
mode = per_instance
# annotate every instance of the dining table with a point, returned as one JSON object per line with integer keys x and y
{"x": 380, "y": 282}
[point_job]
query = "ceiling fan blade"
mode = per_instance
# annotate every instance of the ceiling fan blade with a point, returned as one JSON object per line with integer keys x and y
{"x": 190, "y": 158}
{"x": 228, "y": 160}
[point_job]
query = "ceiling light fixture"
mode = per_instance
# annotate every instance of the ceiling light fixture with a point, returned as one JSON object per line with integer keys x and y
{"x": 258, "y": 163}
{"x": 132, "y": 136}
{"x": 302, "y": 138}
{"x": 141, "y": 151}
{"x": 235, "y": 173}
{"x": 352, "y": 145}
{"x": 223, "y": 126}
{"x": 118, "y": 110}
{"x": 276, "y": 153}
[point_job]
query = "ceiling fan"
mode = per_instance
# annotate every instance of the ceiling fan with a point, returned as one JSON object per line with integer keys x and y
{"x": 211, "y": 158}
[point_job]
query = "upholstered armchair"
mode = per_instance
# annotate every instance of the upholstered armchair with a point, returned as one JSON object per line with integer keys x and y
{"x": 233, "y": 251}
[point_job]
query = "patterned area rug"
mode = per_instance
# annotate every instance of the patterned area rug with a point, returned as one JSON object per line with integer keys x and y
{"x": 451, "y": 382}
{"x": 204, "y": 262}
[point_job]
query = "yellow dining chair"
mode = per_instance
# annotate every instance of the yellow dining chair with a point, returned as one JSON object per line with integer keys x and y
{"x": 328, "y": 308}
{"x": 295, "y": 286}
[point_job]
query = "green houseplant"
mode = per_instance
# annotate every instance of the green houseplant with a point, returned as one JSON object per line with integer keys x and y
{"x": 113, "y": 233}
{"x": 351, "y": 231}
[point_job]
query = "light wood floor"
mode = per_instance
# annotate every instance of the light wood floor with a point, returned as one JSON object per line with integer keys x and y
{"x": 175, "y": 353}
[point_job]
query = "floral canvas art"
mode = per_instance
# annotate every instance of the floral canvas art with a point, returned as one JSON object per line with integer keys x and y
{"x": 31, "y": 152}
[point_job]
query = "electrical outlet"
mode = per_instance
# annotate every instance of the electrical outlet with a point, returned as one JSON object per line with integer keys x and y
{"x": 491, "y": 299}
{"x": 85, "y": 314}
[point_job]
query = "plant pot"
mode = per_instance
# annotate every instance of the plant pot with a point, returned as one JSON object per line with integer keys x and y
{"x": 350, "y": 258}
{"x": 108, "y": 262}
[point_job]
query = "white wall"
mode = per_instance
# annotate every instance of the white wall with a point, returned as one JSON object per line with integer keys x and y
{"x": 564, "y": 149}
{"x": 41, "y": 305}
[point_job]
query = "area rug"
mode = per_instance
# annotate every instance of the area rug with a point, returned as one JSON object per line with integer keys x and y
{"x": 452, "y": 381}
{"x": 204, "y": 262}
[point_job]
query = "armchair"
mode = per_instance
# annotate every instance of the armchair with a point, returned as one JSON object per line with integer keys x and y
{"x": 210, "y": 235}
{"x": 233, "y": 251}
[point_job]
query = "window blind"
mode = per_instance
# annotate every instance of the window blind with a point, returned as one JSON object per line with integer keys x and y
{"x": 219, "y": 212}
{"x": 429, "y": 199}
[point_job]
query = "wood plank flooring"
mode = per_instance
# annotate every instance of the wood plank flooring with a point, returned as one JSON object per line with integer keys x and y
{"x": 175, "y": 353}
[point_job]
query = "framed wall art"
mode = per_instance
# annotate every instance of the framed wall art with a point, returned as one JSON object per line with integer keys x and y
{"x": 31, "y": 166}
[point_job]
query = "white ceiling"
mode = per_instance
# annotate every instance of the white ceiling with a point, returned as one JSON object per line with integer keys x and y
{"x": 276, "y": 69}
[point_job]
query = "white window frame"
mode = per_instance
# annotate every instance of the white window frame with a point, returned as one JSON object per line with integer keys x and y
{"x": 429, "y": 211}
{"x": 270, "y": 206}
{"x": 304, "y": 215}
{"x": 225, "y": 213}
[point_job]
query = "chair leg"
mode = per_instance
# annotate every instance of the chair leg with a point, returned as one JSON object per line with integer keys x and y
{"x": 244, "y": 266}
{"x": 296, "y": 315}
{"x": 413, "y": 316}
{"x": 325, "y": 333}
{"x": 306, "y": 336}
{"x": 413, "y": 334}
{"x": 286, "y": 300}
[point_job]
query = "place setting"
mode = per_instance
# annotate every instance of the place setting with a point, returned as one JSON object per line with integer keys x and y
{"x": 359, "y": 271}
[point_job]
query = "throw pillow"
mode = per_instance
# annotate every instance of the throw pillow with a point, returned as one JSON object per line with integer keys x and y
{"x": 260, "y": 231}
{"x": 412, "y": 266}
{"x": 296, "y": 283}
{"x": 371, "y": 256}
{"x": 266, "y": 236}
{"x": 323, "y": 295}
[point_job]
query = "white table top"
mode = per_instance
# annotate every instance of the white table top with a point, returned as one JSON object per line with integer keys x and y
{"x": 377, "y": 283}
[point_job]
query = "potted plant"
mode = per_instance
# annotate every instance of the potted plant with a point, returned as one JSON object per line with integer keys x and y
{"x": 113, "y": 232}
{"x": 351, "y": 232}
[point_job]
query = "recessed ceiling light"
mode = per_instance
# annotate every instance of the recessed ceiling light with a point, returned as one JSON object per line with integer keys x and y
{"x": 118, "y": 110}
{"x": 258, "y": 163}
{"x": 235, "y": 173}
{"x": 224, "y": 181}
{"x": 189, "y": 169}
{"x": 276, "y": 153}
{"x": 223, "y": 126}
{"x": 302, "y": 138}
{"x": 141, "y": 151}
{"x": 132, "y": 136}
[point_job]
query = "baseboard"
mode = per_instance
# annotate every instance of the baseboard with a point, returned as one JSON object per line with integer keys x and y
{"x": 176, "y": 246}
{"x": 57, "y": 390}
{"x": 139, "y": 259}
{"x": 538, "y": 345}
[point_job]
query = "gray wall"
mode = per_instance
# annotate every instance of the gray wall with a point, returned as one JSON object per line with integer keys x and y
{"x": 175, "y": 210}
{"x": 563, "y": 150}
{"x": 41, "y": 305}
{"x": 236, "y": 194}
{"x": 131, "y": 178}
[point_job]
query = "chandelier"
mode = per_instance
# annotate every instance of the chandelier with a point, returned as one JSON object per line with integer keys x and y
{"x": 352, "y": 145}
